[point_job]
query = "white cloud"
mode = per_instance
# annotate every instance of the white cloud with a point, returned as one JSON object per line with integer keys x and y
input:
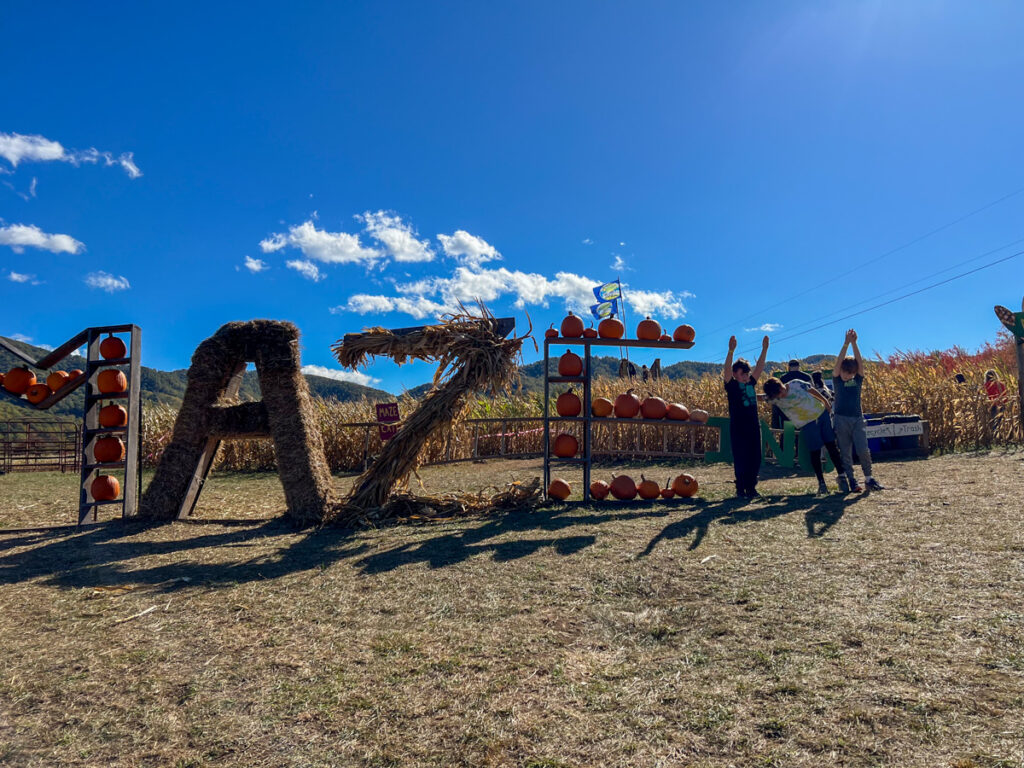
{"x": 468, "y": 249}
{"x": 658, "y": 304}
{"x": 107, "y": 282}
{"x": 767, "y": 327}
{"x": 619, "y": 265}
{"x": 21, "y": 337}
{"x": 321, "y": 245}
{"x": 21, "y": 236}
{"x": 17, "y": 148}
{"x": 355, "y": 377}
{"x": 307, "y": 269}
{"x": 397, "y": 237}
{"x": 255, "y": 265}
{"x": 587, "y": 241}
{"x": 17, "y": 277}
{"x": 419, "y": 307}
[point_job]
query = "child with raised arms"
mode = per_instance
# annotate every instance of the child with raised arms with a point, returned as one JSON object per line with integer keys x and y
{"x": 744, "y": 424}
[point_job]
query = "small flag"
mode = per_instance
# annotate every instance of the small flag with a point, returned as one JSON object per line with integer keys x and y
{"x": 608, "y": 291}
{"x": 605, "y": 309}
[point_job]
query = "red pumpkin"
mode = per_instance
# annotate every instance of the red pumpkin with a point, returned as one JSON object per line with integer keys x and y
{"x": 559, "y": 489}
{"x": 700, "y": 416}
{"x": 551, "y": 333}
{"x": 623, "y": 487}
{"x": 648, "y": 330}
{"x": 667, "y": 493}
{"x": 569, "y": 404}
{"x": 111, "y": 381}
{"x": 572, "y": 327}
{"x": 57, "y": 379}
{"x": 627, "y": 405}
{"x": 601, "y": 407}
{"x": 570, "y": 364}
{"x": 108, "y": 449}
{"x": 112, "y": 348}
{"x": 590, "y": 333}
{"x": 677, "y": 412}
{"x": 599, "y": 489}
{"x": 664, "y": 337}
{"x": 685, "y": 485}
{"x": 18, "y": 380}
{"x": 653, "y": 408}
{"x": 611, "y": 328}
{"x": 72, "y": 375}
{"x": 648, "y": 489}
{"x": 113, "y": 416}
{"x": 565, "y": 446}
{"x": 105, "y": 488}
{"x": 684, "y": 333}
{"x": 37, "y": 393}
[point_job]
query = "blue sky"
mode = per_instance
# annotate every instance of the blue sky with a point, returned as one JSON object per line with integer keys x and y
{"x": 342, "y": 165}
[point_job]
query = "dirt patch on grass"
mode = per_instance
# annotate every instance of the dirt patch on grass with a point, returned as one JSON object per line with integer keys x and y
{"x": 882, "y": 629}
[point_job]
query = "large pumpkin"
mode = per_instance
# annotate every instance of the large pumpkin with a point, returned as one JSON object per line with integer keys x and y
{"x": 700, "y": 416}
{"x": 611, "y": 328}
{"x": 112, "y": 348}
{"x": 685, "y": 485}
{"x": 677, "y": 412}
{"x": 648, "y": 330}
{"x": 627, "y": 405}
{"x": 648, "y": 489}
{"x": 105, "y": 488}
{"x": 559, "y": 489}
{"x": 572, "y": 327}
{"x": 684, "y": 333}
{"x": 565, "y": 446}
{"x": 653, "y": 408}
{"x": 623, "y": 487}
{"x": 599, "y": 490}
{"x": 601, "y": 407}
{"x": 37, "y": 393}
{"x": 569, "y": 404}
{"x": 113, "y": 416}
{"x": 108, "y": 449}
{"x": 111, "y": 381}
{"x": 570, "y": 364}
{"x": 18, "y": 380}
{"x": 57, "y": 379}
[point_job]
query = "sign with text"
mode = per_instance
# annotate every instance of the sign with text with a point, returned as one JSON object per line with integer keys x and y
{"x": 387, "y": 414}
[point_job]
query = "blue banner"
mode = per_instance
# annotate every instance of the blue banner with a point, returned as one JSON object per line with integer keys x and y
{"x": 604, "y": 309}
{"x": 608, "y": 291}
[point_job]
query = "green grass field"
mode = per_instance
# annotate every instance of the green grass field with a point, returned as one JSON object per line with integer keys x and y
{"x": 874, "y": 630}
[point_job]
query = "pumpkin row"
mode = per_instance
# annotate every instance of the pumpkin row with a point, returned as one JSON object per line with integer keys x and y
{"x": 624, "y": 488}
{"x": 628, "y": 406}
{"x": 612, "y": 328}
{"x": 22, "y": 381}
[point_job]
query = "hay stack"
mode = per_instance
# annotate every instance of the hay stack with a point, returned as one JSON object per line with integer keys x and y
{"x": 473, "y": 356}
{"x": 286, "y": 414}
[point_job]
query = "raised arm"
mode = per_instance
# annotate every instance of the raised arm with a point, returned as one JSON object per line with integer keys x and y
{"x": 856, "y": 353}
{"x": 759, "y": 367}
{"x": 727, "y": 370}
{"x": 842, "y": 352}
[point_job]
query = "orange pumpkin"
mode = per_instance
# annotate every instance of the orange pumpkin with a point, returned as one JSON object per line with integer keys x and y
{"x": 627, "y": 405}
{"x": 105, "y": 488}
{"x": 570, "y": 364}
{"x": 559, "y": 489}
{"x": 684, "y": 333}
{"x": 37, "y": 393}
{"x": 551, "y": 333}
{"x": 72, "y": 375}
{"x": 700, "y": 416}
{"x": 611, "y": 328}
{"x": 569, "y": 404}
{"x": 623, "y": 487}
{"x": 667, "y": 493}
{"x": 590, "y": 333}
{"x": 108, "y": 449}
{"x": 57, "y": 379}
{"x": 565, "y": 446}
{"x": 112, "y": 348}
{"x": 601, "y": 407}
{"x": 113, "y": 416}
{"x": 111, "y": 381}
{"x": 685, "y": 485}
{"x": 664, "y": 337}
{"x": 572, "y": 327}
{"x": 648, "y": 489}
{"x": 648, "y": 330}
{"x": 653, "y": 408}
{"x": 677, "y": 412}
{"x": 599, "y": 490}
{"x": 18, "y": 380}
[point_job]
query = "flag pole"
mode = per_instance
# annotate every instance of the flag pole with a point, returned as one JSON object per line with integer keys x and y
{"x": 622, "y": 298}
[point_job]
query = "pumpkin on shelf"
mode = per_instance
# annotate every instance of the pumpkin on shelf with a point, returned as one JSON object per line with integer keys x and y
{"x": 111, "y": 381}
{"x": 57, "y": 379}
{"x": 565, "y": 446}
{"x": 72, "y": 375}
{"x": 664, "y": 337}
{"x": 599, "y": 490}
{"x": 105, "y": 488}
{"x": 623, "y": 487}
{"x": 112, "y": 348}
{"x": 648, "y": 489}
{"x": 627, "y": 405}
{"x": 108, "y": 449}
{"x": 18, "y": 380}
{"x": 648, "y": 330}
{"x": 685, "y": 485}
{"x": 700, "y": 416}
{"x": 37, "y": 393}
{"x": 653, "y": 408}
{"x": 572, "y": 326}
{"x": 601, "y": 407}
{"x": 559, "y": 489}
{"x": 569, "y": 404}
{"x": 684, "y": 333}
{"x": 551, "y": 333}
{"x": 590, "y": 333}
{"x": 111, "y": 416}
{"x": 611, "y": 328}
{"x": 570, "y": 364}
{"x": 677, "y": 412}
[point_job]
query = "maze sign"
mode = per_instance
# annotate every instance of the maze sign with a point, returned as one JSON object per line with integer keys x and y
{"x": 387, "y": 414}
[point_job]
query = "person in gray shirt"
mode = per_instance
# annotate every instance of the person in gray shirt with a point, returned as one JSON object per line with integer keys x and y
{"x": 847, "y": 414}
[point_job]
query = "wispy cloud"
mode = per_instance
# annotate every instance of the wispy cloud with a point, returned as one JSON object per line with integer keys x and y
{"x": 17, "y": 277}
{"x": 355, "y": 377}
{"x": 397, "y": 236}
{"x": 19, "y": 148}
{"x": 587, "y": 241}
{"x": 467, "y": 249}
{"x": 21, "y": 337}
{"x": 255, "y": 265}
{"x": 321, "y": 245}
{"x": 307, "y": 269}
{"x": 766, "y": 327}
{"x": 619, "y": 264}
{"x": 22, "y": 236}
{"x": 107, "y": 282}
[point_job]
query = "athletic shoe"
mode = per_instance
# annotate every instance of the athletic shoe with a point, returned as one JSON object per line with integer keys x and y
{"x": 855, "y": 488}
{"x": 874, "y": 485}
{"x": 822, "y": 488}
{"x": 844, "y": 484}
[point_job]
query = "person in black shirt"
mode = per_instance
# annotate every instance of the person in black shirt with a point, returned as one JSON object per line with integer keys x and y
{"x": 744, "y": 424}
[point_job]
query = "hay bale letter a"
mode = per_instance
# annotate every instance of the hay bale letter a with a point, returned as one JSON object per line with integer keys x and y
{"x": 286, "y": 415}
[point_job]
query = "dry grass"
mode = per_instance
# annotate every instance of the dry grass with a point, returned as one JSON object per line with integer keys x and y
{"x": 879, "y": 630}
